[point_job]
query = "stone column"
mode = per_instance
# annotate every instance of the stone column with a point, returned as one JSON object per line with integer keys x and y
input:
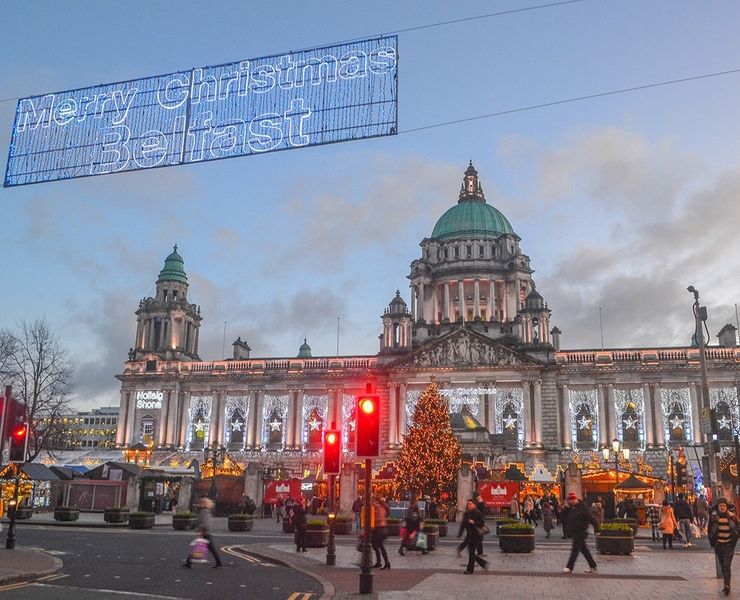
{"x": 213, "y": 425}
{"x": 501, "y": 300}
{"x": 259, "y": 417}
{"x": 491, "y": 304}
{"x": 649, "y": 421}
{"x": 435, "y": 303}
{"x": 538, "y": 412}
{"x": 603, "y": 425}
{"x": 611, "y": 407}
{"x": 565, "y": 416}
{"x": 694, "y": 392}
{"x": 527, "y": 401}
{"x": 184, "y": 409}
{"x": 401, "y": 412}
{"x": 163, "y": 414}
{"x": 122, "y": 427}
{"x": 299, "y": 421}
{"x": 347, "y": 488}
{"x": 422, "y": 301}
{"x": 393, "y": 414}
{"x": 658, "y": 415}
{"x": 290, "y": 421}
{"x": 447, "y": 310}
{"x": 476, "y": 299}
{"x": 131, "y": 421}
{"x": 414, "y": 303}
{"x": 173, "y": 408}
{"x": 461, "y": 300}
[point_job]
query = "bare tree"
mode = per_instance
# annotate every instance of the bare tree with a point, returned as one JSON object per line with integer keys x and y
{"x": 40, "y": 373}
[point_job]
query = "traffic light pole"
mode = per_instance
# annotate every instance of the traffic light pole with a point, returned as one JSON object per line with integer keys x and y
{"x": 10, "y": 540}
{"x": 673, "y": 479}
{"x": 366, "y": 574}
{"x": 737, "y": 469}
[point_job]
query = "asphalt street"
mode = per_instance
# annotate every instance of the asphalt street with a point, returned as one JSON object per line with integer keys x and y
{"x": 108, "y": 564}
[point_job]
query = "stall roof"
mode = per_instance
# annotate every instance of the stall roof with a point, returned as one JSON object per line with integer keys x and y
{"x": 633, "y": 484}
{"x": 77, "y": 468}
{"x": 39, "y": 472}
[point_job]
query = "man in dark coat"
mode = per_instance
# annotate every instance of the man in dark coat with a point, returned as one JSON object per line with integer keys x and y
{"x": 579, "y": 518}
{"x": 299, "y": 521}
{"x": 723, "y": 534}
{"x": 472, "y": 523}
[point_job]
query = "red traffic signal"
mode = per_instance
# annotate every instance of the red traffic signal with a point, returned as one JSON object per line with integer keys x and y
{"x": 367, "y": 426}
{"x": 18, "y": 443}
{"x": 332, "y": 452}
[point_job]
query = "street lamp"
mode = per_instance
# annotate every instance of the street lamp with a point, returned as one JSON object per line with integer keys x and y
{"x": 700, "y": 318}
{"x": 331, "y": 548}
{"x": 615, "y": 451}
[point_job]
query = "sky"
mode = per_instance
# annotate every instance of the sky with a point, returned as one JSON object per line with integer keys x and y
{"x": 621, "y": 201}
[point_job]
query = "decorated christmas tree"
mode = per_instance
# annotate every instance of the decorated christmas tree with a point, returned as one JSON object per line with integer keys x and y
{"x": 429, "y": 458}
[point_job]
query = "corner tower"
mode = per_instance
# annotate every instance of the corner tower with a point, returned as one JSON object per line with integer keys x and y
{"x": 168, "y": 325}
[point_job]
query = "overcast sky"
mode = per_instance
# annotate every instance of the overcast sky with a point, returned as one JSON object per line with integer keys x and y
{"x": 621, "y": 201}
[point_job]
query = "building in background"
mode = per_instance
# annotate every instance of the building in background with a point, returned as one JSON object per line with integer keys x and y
{"x": 85, "y": 430}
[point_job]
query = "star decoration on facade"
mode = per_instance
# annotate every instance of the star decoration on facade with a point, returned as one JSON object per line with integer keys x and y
{"x": 236, "y": 425}
{"x": 724, "y": 422}
{"x": 275, "y": 425}
{"x": 199, "y": 425}
{"x": 630, "y": 423}
{"x": 676, "y": 422}
{"x": 313, "y": 424}
{"x": 584, "y": 423}
{"x": 510, "y": 423}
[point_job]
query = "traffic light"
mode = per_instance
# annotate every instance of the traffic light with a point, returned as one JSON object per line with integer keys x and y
{"x": 18, "y": 442}
{"x": 680, "y": 473}
{"x": 332, "y": 452}
{"x": 367, "y": 426}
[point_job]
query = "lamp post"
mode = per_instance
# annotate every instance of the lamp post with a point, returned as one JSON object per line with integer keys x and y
{"x": 700, "y": 317}
{"x": 331, "y": 548}
{"x": 615, "y": 450}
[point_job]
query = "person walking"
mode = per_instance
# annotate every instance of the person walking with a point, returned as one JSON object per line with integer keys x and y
{"x": 564, "y": 514}
{"x": 653, "y": 517}
{"x": 702, "y": 513}
{"x": 723, "y": 533}
{"x": 205, "y": 525}
{"x": 514, "y": 508}
{"x": 412, "y": 523}
{"x": 481, "y": 507}
{"x": 682, "y": 511}
{"x": 299, "y": 522}
{"x": 473, "y": 524}
{"x": 379, "y": 533}
{"x": 668, "y": 524}
{"x": 279, "y": 509}
{"x": 548, "y": 518}
{"x": 357, "y": 509}
{"x": 528, "y": 510}
{"x": 579, "y": 519}
{"x": 598, "y": 512}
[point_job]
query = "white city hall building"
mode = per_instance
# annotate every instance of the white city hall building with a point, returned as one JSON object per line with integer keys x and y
{"x": 475, "y": 323}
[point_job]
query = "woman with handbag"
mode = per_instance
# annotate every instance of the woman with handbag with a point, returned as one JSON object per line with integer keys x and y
{"x": 474, "y": 526}
{"x": 379, "y": 534}
{"x": 668, "y": 524}
{"x": 412, "y": 523}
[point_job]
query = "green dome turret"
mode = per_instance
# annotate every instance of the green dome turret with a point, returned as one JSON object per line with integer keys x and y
{"x": 174, "y": 268}
{"x": 471, "y": 217}
{"x": 305, "y": 350}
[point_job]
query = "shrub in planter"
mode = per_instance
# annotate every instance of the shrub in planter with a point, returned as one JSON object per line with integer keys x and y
{"x": 317, "y": 533}
{"x": 241, "y": 522}
{"x": 23, "y": 512}
{"x": 501, "y": 522}
{"x": 393, "y": 527}
{"x": 633, "y": 523}
{"x": 441, "y": 523}
{"x": 141, "y": 520}
{"x": 432, "y": 532}
{"x": 66, "y": 513}
{"x": 343, "y": 524}
{"x": 615, "y": 538}
{"x": 116, "y": 514}
{"x": 516, "y": 537}
{"x": 184, "y": 520}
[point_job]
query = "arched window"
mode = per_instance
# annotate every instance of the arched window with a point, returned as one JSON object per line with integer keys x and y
{"x": 235, "y": 429}
{"x": 275, "y": 430}
{"x": 510, "y": 419}
{"x": 584, "y": 425}
{"x": 630, "y": 425}
{"x": 147, "y": 430}
{"x": 723, "y": 415}
{"x": 677, "y": 423}
{"x": 199, "y": 431}
{"x": 314, "y": 430}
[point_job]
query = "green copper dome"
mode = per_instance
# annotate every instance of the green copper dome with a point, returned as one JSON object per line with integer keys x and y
{"x": 174, "y": 268}
{"x": 305, "y": 350}
{"x": 471, "y": 216}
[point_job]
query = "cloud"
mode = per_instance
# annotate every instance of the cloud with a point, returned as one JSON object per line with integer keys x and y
{"x": 682, "y": 229}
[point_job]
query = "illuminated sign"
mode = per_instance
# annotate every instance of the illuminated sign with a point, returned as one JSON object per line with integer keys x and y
{"x": 304, "y": 98}
{"x": 149, "y": 399}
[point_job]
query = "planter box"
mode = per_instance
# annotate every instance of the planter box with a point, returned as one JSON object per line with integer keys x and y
{"x": 66, "y": 514}
{"x": 24, "y": 512}
{"x": 615, "y": 542}
{"x": 317, "y": 538}
{"x": 342, "y": 527}
{"x": 183, "y": 523}
{"x": 288, "y": 526}
{"x": 241, "y": 523}
{"x": 443, "y": 530}
{"x": 515, "y": 539}
{"x": 393, "y": 529}
{"x": 116, "y": 516}
{"x": 135, "y": 522}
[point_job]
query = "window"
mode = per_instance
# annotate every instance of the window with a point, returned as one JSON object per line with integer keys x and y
{"x": 585, "y": 423}
{"x": 481, "y": 250}
{"x": 446, "y": 254}
{"x": 511, "y": 426}
{"x": 457, "y": 252}
{"x": 677, "y": 423}
{"x": 723, "y": 416}
{"x": 468, "y": 251}
{"x": 630, "y": 425}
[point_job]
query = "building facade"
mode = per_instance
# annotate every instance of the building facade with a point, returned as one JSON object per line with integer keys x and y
{"x": 85, "y": 430}
{"x": 476, "y": 324}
